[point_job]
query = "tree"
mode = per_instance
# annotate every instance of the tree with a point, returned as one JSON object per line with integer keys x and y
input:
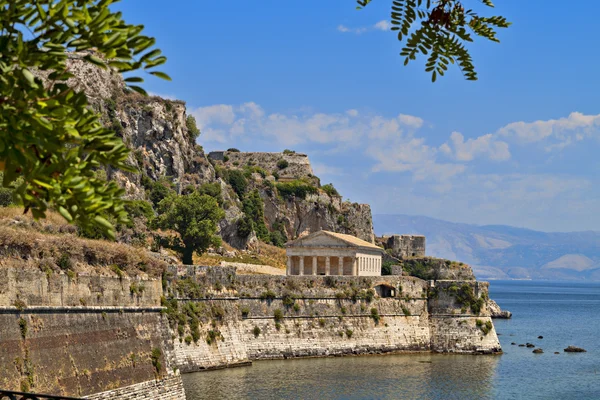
{"x": 194, "y": 217}
{"x": 49, "y": 136}
{"x": 192, "y": 128}
{"x": 439, "y": 29}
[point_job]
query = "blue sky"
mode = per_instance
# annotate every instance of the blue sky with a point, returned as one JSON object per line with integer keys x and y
{"x": 517, "y": 147}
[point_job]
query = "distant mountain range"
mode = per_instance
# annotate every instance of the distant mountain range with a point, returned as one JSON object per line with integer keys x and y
{"x": 503, "y": 252}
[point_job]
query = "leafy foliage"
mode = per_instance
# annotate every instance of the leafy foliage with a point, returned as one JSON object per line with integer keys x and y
{"x": 386, "y": 267}
{"x": 253, "y": 207}
{"x": 191, "y": 126}
{"x": 330, "y": 189}
{"x": 238, "y": 181}
{"x": 159, "y": 190}
{"x": 439, "y": 29}
{"x": 296, "y": 188}
{"x": 48, "y": 134}
{"x": 282, "y": 164}
{"x": 213, "y": 190}
{"x": 194, "y": 217}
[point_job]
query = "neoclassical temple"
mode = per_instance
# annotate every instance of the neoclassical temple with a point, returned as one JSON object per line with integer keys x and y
{"x": 330, "y": 253}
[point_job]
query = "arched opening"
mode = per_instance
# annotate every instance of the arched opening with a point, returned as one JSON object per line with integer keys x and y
{"x": 384, "y": 291}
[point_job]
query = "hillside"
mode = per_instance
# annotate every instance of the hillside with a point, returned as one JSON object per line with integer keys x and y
{"x": 259, "y": 200}
{"x": 504, "y": 252}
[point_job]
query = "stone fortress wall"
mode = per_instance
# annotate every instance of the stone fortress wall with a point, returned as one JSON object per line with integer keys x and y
{"x": 104, "y": 337}
{"x": 80, "y": 335}
{"x": 298, "y": 164}
{"x": 404, "y": 246}
{"x": 266, "y": 317}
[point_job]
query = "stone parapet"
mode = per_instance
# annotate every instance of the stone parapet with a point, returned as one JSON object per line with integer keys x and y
{"x": 170, "y": 388}
{"x": 31, "y": 287}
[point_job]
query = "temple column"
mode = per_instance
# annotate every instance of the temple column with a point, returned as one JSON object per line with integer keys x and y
{"x": 340, "y": 265}
{"x": 327, "y": 265}
{"x": 314, "y": 266}
{"x": 354, "y": 266}
{"x": 301, "y": 266}
{"x": 289, "y": 265}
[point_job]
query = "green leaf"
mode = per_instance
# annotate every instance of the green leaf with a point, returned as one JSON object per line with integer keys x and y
{"x": 66, "y": 214}
{"x": 161, "y": 75}
{"x": 138, "y": 89}
{"x": 103, "y": 222}
{"x": 28, "y": 76}
{"x": 95, "y": 60}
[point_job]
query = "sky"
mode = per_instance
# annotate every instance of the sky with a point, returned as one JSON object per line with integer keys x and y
{"x": 517, "y": 147}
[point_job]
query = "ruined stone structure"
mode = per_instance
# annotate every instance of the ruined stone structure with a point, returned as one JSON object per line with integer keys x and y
{"x": 330, "y": 253}
{"x": 298, "y": 165}
{"x": 405, "y": 246}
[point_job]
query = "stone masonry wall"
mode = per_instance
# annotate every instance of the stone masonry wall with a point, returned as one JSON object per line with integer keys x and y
{"x": 81, "y": 335}
{"x": 170, "y": 388}
{"x": 245, "y": 318}
{"x": 298, "y": 164}
{"x": 32, "y": 287}
{"x": 460, "y": 319}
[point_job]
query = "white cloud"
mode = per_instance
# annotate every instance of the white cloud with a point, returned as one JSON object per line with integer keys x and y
{"x": 485, "y": 145}
{"x": 216, "y": 114}
{"x": 345, "y": 29}
{"x": 322, "y": 169}
{"x": 560, "y": 132}
{"x": 250, "y": 121}
{"x": 412, "y": 121}
{"x": 383, "y": 25}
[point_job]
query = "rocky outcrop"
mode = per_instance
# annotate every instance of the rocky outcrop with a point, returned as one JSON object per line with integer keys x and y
{"x": 156, "y": 130}
{"x": 318, "y": 212}
{"x": 497, "y": 312}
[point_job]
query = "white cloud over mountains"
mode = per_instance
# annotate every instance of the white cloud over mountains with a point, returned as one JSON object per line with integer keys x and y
{"x": 400, "y": 147}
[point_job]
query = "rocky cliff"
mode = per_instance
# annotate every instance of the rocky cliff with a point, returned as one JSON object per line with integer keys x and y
{"x": 164, "y": 147}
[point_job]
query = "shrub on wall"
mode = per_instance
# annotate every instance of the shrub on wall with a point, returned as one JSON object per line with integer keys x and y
{"x": 282, "y": 164}
{"x": 296, "y": 188}
{"x": 256, "y": 331}
{"x": 330, "y": 189}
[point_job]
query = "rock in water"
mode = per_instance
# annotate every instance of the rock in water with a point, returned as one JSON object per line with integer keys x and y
{"x": 556, "y": 352}
{"x": 496, "y": 311}
{"x": 530, "y": 345}
{"x": 521, "y": 345}
{"x": 574, "y": 349}
{"x": 513, "y": 343}
{"x": 540, "y": 337}
{"x": 538, "y": 351}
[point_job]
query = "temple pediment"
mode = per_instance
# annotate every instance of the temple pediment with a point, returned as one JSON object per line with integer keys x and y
{"x": 330, "y": 239}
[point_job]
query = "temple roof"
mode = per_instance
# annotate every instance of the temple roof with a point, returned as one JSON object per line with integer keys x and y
{"x": 348, "y": 240}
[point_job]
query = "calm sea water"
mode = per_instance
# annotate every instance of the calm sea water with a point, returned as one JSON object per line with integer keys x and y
{"x": 564, "y": 313}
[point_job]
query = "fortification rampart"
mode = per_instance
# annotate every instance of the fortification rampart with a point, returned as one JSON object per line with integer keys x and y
{"x": 128, "y": 347}
{"x": 404, "y": 246}
{"x": 246, "y": 318}
{"x": 82, "y": 335}
{"x": 297, "y": 165}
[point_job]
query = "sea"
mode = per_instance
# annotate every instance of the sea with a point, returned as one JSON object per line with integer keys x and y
{"x": 564, "y": 313}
